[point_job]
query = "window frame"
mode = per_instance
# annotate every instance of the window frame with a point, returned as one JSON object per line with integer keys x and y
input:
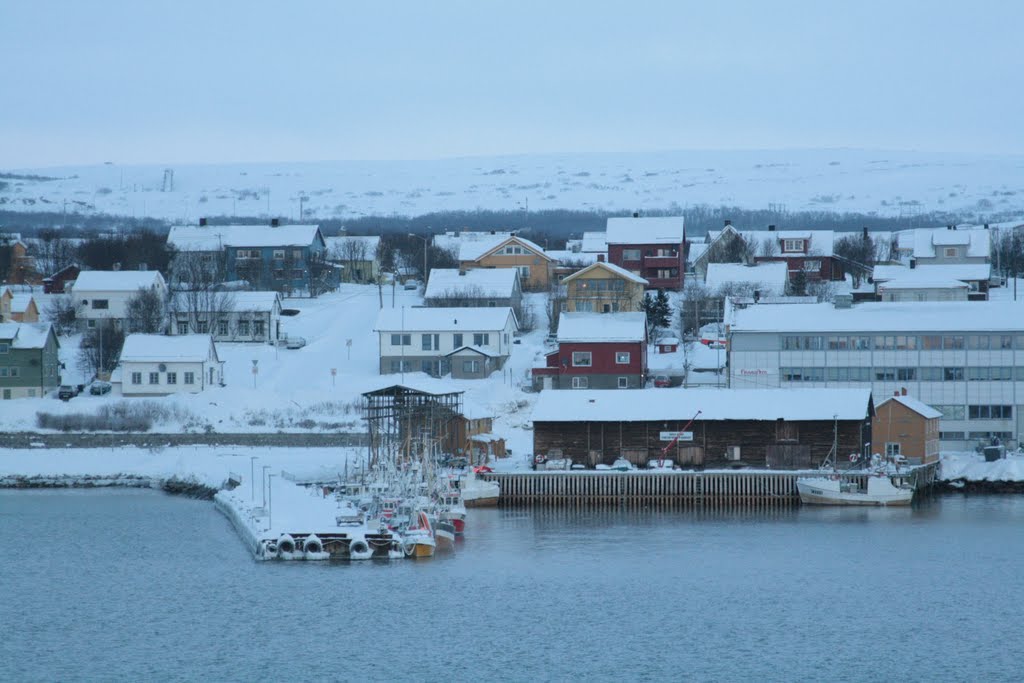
{"x": 589, "y": 359}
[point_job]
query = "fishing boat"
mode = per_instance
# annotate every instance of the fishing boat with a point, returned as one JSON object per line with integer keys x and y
{"x": 453, "y": 510}
{"x": 418, "y": 539}
{"x": 834, "y": 490}
{"x": 444, "y": 535}
{"x": 622, "y": 465}
{"x": 477, "y": 493}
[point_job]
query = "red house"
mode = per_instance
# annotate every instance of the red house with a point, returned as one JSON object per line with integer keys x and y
{"x": 55, "y": 283}
{"x": 596, "y": 351}
{"x": 652, "y": 248}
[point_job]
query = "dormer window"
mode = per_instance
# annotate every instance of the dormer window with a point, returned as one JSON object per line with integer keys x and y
{"x": 793, "y": 246}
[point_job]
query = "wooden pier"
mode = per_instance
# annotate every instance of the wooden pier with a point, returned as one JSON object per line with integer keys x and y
{"x": 683, "y": 488}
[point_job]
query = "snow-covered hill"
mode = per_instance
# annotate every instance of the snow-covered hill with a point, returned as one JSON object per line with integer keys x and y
{"x": 888, "y": 183}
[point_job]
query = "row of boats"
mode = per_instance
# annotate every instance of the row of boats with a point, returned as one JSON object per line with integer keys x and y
{"x": 389, "y": 513}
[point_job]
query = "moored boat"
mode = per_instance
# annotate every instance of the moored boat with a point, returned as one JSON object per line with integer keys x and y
{"x": 477, "y": 492}
{"x": 834, "y": 490}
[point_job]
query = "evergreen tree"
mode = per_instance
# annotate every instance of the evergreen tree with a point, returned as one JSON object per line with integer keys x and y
{"x": 657, "y": 309}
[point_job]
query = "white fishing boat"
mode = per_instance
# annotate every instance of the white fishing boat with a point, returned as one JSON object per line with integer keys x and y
{"x": 622, "y": 465}
{"x": 834, "y": 490}
{"x": 478, "y": 493}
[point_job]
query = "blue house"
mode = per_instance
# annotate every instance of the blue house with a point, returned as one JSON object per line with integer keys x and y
{"x": 285, "y": 258}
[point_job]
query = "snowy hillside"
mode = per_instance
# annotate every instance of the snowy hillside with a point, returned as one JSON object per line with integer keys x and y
{"x": 884, "y": 182}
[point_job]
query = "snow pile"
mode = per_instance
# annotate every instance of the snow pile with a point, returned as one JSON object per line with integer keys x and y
{"x": 972, "y": 467}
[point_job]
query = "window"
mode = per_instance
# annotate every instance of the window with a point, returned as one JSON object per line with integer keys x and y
{"x": 243, "y": 328}
{"x": 279, "y": 254}
{"x": 481, "y": 338}
{"x": 154, "y": 378}
{"x": 15, "y": 371}
{"x": 951, "y": 436}
{"x": 953, "y": 342}
{"x": 257, "y": 328}
{"x": 4, "y": 347}
{"x": 931, "y": 342}
{"x": 786, "y": 431}
{"x": 100, "y": 304}
{"x": 172, "y": 378}
{"x": 885, "y": 374}
{"x": 906, "y": 374}
{"x": 952, "y": 374}
{"x": 978, "y": 341}
{"x": 580, "y": 382}
{"x": 524, "y": 272}
{"x": 401, "y": 366}
{"x": 3, "y": 370}
{"x": 892, "y": 448}
{"x": 623, "y": 383}
{"x": 91, "y": 324}
{"x": 471, "y": 366}
{"x": 666, "y": 273}
{"x": 427, "y": 367}
{"x": 136, "y": 378}
{"x": 816, "y": 343}
{"x": 1005, "y": 341}
{"x": 430, "y": 342}
{"x": 792, "y": 245}
{"x": 989, "y": 412}
{"x": 401, "y": 340}
{"x": 812, "y": 266}
{"x": 977, "y": 374}
{"x": 190, "y": 378}
{"x": 513, "y": 250}
{"x": 950, "y": 252}
{"x": 247, "y": 254}
{"x": 622, "y": 357}
{"x": 630, "y": 254}
{"x": 297, "y": 254}
{"x": 203, "y": 327}
{"x": 222, "y": 328}
{"x": 182, "y": 327}
{"x": 581, "y": 359}
{"x": 457, "y": 339}
{"x": 952, "y": 412}
{"x": 931, "y": 374}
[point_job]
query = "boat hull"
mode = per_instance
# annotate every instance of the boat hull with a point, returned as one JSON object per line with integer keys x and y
{"x": 826, "y": 492}
{"x": 485, "y": 502}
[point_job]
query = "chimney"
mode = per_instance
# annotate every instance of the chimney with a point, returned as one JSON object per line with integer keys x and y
{"x": 903, "y": 391}
{"x": 636, "y": 214}
{"x": 771, "y": 228}
{"x": 275, "y": 223}
{"x": 202, "y": 222}
{"x": 895, "y": 393}
{"x": 600, "y": 258}
{"x": 728, "y": 222}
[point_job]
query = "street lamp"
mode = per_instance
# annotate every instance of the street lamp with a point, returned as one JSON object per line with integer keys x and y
{"x": 270, "y": 501}
{"x": 426, "y": 241}
{"x": 265, "y": 468}
{"x": 252, "y": 476}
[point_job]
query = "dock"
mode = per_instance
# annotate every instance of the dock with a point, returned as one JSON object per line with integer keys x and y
{"x": 712, "y": 489}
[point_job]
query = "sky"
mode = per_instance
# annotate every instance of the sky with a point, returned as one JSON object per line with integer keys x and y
{"x": 208, "y": 82}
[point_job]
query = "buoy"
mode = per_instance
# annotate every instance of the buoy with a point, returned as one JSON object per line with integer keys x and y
{"x": 286, "y": 544}
{"x": 312, "y": 545}
{"x": 359, "y": 549}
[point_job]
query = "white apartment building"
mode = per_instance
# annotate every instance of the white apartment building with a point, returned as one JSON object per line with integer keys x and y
{"x": 966, "y": 359}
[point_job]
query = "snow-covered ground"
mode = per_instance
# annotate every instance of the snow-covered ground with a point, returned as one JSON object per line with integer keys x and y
{"x": 972, "y": 467}
{"x": 888, "y": 183}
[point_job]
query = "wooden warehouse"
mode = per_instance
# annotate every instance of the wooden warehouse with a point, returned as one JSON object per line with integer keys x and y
{"x": 773, "y": 428}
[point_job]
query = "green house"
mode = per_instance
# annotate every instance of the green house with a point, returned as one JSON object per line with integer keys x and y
{"x": 29, "y": 363}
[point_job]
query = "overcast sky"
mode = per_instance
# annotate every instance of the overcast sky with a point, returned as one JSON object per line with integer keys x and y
{"x": 212, "y": 81}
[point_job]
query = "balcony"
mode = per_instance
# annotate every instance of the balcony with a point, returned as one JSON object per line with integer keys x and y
{"x": 661, "y": 261}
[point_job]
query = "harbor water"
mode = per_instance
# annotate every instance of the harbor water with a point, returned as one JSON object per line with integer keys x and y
{"x": 138, "y": 585}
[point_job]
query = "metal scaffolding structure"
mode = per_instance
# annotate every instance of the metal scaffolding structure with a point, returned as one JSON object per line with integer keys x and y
{"x": 408, "y": 424}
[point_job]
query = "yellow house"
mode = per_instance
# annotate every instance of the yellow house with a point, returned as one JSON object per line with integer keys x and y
{"x": 6, "y": 296}
{"x": 529, "y": 259}
{"x": 604, "y": 288}
{"x": 23, "y": 309}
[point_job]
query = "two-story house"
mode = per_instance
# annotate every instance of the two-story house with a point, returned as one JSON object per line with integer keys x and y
{"x": 514, "y": 252}
{"x": 356, "y": 255}
{"x": 227, "y": 316}
{"x": 938, "y": 282}
{"x": 809, "y": 252}
{"x": 29, "y": 363}
{"x": 157, "y": 365}
{"x": 653, "y": 248}
{"x": 483, "y": 287}
{"x": 603, "y": 288}
{"x": 101, "y": 296}
{"x": 285, "y": 258}
{"x": 469, "y": 343}
{"x": 596, "y": 351}
{"x": 937, "y": 246}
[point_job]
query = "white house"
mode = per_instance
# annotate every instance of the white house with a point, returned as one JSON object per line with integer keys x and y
{"x": 155, "y": 365}
{"x": 939, "y": 282}
{"x": 491, "y": 287}
{"x": 767, "y": 278}
{"x": 241, "y": 316}
{"x": 101, "y": 295}
{"x": 467, "y": 342}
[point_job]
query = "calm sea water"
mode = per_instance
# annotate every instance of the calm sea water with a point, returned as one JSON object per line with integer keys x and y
{"x": 136, "y": 585}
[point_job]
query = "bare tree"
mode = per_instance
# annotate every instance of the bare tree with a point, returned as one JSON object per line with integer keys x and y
{"x": 353, "y": 253}
{"x": 100, "y": 347}
{"x": 145, "y": 312}
{"x": 199, "y": 303}
{"x": 699, "y": 305}
{"x": 556, "y": 302}
{"x": 60, "y": 313}
{"x": 321, "y": 275}
{"x": 769, "y": 246}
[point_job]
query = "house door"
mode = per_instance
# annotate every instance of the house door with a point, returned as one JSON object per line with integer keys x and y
{"x": 547, "y": 383}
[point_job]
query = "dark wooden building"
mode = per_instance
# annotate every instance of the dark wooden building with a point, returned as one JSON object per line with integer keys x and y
{"x": 773, "y": 428}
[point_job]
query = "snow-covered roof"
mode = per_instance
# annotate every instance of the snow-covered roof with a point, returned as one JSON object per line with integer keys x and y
{"x": 924, "y": 241}
{"x": 472, "y": 349}
{"x": 470, "y": 319}
{"x": 216, "y": 237}
{"x": 452, "y": 241}
{"x": 919, "y": 407}
{"x": 498, "y": 283}
{"x": 770, "y": 277}
{"x": 239, "y": 301}
{"x": 117, "y": 280}
{"x": 821, "y": 242}
{"x": 344, "y": 246}
{"x": 646, "y": 230}
{"x": 966, "y": 272}
{"x": 153, "y": 348}
{"x": 647, "y": 405}
{"x": 477, "y": 249}
{"x": 697, "y": 250}
{"x": 921, "y": 316}
{"x": 611, "y": 268}
{"x": 594, "y": 242}
{"x": 25, "y": 335}
{"x": 602, "y": 327}
{"x": 20, "y": 302}
{"x": 921, "y": 283}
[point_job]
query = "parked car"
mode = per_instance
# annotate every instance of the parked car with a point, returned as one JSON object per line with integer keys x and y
{"x": 294, "y": 342}
{"x": 66, "y": 392}
{"x": 662, "y": 381}
{"x": 411, "y": 285}
{"x": 99, "y": 388}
